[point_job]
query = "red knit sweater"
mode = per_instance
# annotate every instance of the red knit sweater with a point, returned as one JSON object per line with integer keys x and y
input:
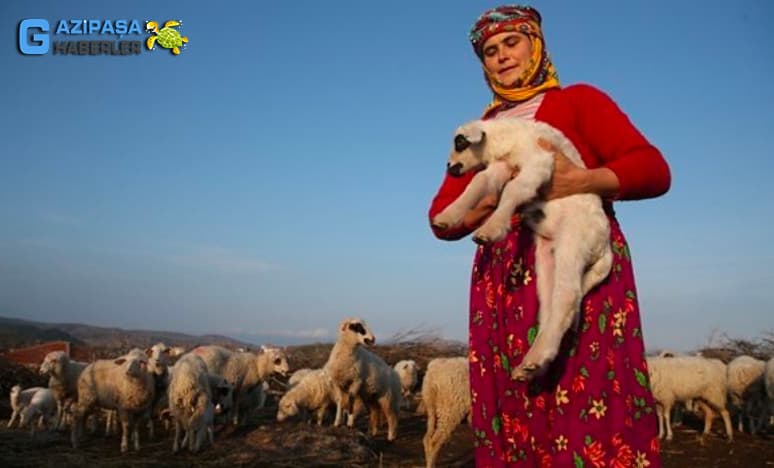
{"x": 603, "y": 135}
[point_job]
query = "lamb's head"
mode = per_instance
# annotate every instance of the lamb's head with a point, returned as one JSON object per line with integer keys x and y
{"x": 15, "y": 391}
{"x": 222, "y": 393}
{"x": 356, "y": 331}
{"x": 277, "y": 359}
{"x": 135, "y": 363}
{"x": 53, "y": 362}
{"x": 469, "y": 152}
{"x": 287, "y": 407}
{"x": 158, "y": 359}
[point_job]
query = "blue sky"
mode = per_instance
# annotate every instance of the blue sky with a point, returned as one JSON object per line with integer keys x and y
{"x": 275, "y": 176}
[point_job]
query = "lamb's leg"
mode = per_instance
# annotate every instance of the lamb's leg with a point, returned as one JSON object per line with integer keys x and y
{"x": 565, "y": 305}
{"x": 390, "y": 414}
{"x": 660, "y": 417}
{"x": 597, "y": 272}
{"x": 516, "y": 192}
{"x": 14, "y": 417}
{"x": 490, "y": 180}
{"x": 443, "y": 431}
{"x": 357, "y": 408}
{"x": 544, "y": 270}
{"x": 667, "y": 420}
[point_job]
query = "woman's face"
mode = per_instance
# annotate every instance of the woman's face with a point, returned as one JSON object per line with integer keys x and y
{"x": 507, "y": 56}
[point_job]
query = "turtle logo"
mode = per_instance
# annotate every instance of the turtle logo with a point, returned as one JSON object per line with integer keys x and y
{"x": 167, "y": 37}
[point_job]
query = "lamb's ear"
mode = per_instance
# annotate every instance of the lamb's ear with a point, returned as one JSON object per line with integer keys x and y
{"x": 476, "y": 136}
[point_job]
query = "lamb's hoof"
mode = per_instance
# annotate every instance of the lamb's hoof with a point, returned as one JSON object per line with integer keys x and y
{"x": 440, "y": 225}
{"x": 525, "y": 372}
{"x": 481, "y": 239}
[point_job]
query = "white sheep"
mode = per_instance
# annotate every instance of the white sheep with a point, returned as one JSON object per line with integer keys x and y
{"x": 446, "y": 399}
{"x": 19, "y": 400}
{"x": 63, "y": 381}
{"x": 296, "y": 376}
{"x": 572, "y": 253}
{"x": 408, "y": 371}
{"x": 244, "y": 370}
{"x": 314, "y": 392}
{"x": 359, "y": 373}
{"x": 123, "y": 384}
{"x": 743, "y": 371}
{"x": 41, "y": 409}
{"x": 190, "y": 395}
{"x": 683, "y": 378}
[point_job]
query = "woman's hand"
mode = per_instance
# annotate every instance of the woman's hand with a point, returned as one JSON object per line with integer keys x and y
{"x": 569, "y": 179}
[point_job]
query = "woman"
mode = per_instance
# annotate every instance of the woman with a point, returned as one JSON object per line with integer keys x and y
{"x": 593, "y": 407}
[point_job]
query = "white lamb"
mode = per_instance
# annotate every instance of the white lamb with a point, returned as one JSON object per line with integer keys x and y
{"x": 243, "y": 370}
{"x": 191, "y": 396}
{"x": 40, "y": 412}
{"x": 123, "y": 384}
{"x": 573, "y": 251}
{"x": 743, "y": 371}
{"x": 359, "y": 373}
{"x": 408, "y": 371}
{"x": 683, "y": 378}
{"x": 63, "y": 381}
{"x": 314, "y": 392}
{"x": 19, "y": 400}
{"x": 296, "y": 376}
{"x": 446, "y": 398}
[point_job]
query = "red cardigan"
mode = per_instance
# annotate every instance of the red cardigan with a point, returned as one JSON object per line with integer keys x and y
{"x": 603, "y": 135}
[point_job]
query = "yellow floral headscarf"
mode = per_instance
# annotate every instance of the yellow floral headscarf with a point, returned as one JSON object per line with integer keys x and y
{"x": 541, "y": 74}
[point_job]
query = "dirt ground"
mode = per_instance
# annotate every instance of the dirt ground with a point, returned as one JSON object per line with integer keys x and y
{"x": 263, "y": 442}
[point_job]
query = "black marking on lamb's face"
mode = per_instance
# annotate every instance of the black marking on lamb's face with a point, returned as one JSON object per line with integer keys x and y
{"x": 454, "y": 170}
{"x": 277, "y": 361}
{"x": 460, "y": 143}
{"x": 357, "y": 328}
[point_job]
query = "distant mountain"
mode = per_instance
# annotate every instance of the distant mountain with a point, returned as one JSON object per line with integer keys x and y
{"x": 18, "y": 332}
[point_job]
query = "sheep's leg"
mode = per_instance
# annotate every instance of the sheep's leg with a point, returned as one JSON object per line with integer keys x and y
{"x": 14, "y": 417}
{"x": 490, "y": 180}
{"x": 544, "y": 270}
{"x": 176, "y": 439}
{"x": 59, "y": 411}
{"x": 516, "y": 192}
{"x": 123, "y": 418}
{"x": 660, "y": 417}
{"x": 320, "y": 414}
{"x": 565, "y": 305}
{"x": 390, "y": 413}
{"x": 668, "y": 420}
{"x": 357, "y": 408}
{"x": 727, "y": 422}
{"x": 431, "y": 420}
{"x": 443, "y": 431}
{"x": 341, "y": 401}
{"x": 373, "y": 420}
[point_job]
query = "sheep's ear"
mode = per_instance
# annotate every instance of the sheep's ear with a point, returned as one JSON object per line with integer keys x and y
{"x": 345, "y": 325}
{"x": 149, "y": 352}
{"x": 120, "y": 361}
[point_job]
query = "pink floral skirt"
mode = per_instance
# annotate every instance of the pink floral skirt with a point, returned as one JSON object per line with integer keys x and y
{"x": 593, "y": 408}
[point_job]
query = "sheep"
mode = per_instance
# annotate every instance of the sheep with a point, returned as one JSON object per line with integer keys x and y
{"x": 769, "y": 384}
{"x": 192, "y": 392}
{"x": 683, "y": 378}
{"x": 573, "y": 252}
{"x": 446, "y": 399}
{"x": 742, "y": 372}
{"x": 19, "y": 400}
{"x": 314, "y": 392}
{"x": 359, "y": 373}
{"x": 123, "y": 384}
{"x": 42, "y": 407}
{"x": 244, "y": 370}
{"x": 408, "y": 372}
{"x": 63, "y": 381}
{"x": 296, "y": 377}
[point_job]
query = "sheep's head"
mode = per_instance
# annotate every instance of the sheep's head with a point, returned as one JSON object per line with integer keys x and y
{"x": 222, "y": 393}
{"x": 134, "y": 364}
{"x": 158, "y": 358}
{"x": 15, "y": 391}
{"x": 468, "y": 153}
{"x": 53, "y": 362}
{"x": 277, "y": 359}
{"x": 287, "y": 408}
{"x": 356, "y": 330}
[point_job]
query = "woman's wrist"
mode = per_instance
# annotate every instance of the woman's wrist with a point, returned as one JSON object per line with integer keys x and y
{"x": 599, "y": 181}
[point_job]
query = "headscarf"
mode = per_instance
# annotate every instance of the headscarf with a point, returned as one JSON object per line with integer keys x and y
{"x": 541, "y": 74}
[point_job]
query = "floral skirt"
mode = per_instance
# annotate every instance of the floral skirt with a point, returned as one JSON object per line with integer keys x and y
{"x": 593, "y": 407}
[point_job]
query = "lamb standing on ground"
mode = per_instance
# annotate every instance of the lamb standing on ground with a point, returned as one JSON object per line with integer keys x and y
{"x": 359, "y": 373}
{"x": 314, "y": 392}
{"x": 19, "y": 400}
{"x": 683, "y": 378}
{"x": 123, "y": 384}
{"x": 446, "y": 398}
{"x": 743, "y": 371}
{"x": 243, "y": 370}
{"x": 191, "y": 401}
{"x": 63, "y": 382}
{"x": 408, "y": 371}
{"x": 573, "y": 251}
{"x": 40, "y": 411}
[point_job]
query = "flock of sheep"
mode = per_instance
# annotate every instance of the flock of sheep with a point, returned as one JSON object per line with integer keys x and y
{"x": 212, "y": 381}
{"x": 744, "y": 386}
{"x": 191, "y": 389}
